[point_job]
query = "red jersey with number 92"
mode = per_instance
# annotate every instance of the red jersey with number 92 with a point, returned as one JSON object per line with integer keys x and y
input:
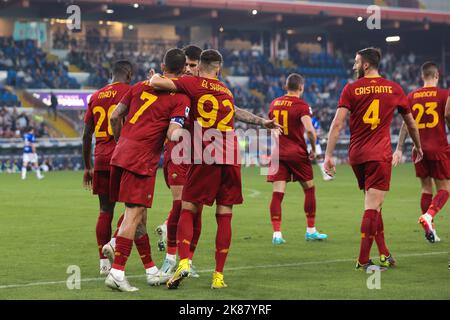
{"x": 144, "y": 131}
{"x": 100, "y": 107}
{"x": 372, "y": 102}
{"x": 428, "y": 108}
{"x": 212, "y": 108}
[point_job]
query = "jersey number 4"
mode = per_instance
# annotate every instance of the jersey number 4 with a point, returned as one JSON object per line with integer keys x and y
{"x": 372, "y": 115}
{"x": 430, "y": 109}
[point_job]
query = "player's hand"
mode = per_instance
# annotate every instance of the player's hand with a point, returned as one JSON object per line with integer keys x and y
{"x": 151, "y": 73}
{"x": 87, "y": 179}
{"x": 397, "y": 158}
{"x": 329, "y": 166}
{"x": 272, "y": 124}
{"x": 312, "y": 155}
{"x": 418, "y": 153}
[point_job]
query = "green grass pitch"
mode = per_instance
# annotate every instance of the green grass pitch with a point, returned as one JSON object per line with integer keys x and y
{"x": 49, "y": 225}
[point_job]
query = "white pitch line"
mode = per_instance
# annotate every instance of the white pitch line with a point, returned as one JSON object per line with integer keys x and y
{"x": 254, "y": 193}
{"x": 286, "y": 265}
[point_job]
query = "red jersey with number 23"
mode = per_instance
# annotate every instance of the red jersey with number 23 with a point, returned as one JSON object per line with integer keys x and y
{"x": 142, "y": 137}
{"x": 428, "y": 108}
{"x": 372, "y": 102}
{"x": 288, "y": 112}
{"x": 100, "y": 106}
{"x": 212, "y": 108}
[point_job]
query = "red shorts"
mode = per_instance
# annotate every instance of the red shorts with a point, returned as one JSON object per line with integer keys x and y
{"x": 373, "y": 174}
{"x": 129, "y": 187}
{"x": 100, "y": 182}
{"x": 175, "y": 174}
{"x": 208, "y": 183}
{"x": 437, "y": 169}
{"x": 291, "y": 171}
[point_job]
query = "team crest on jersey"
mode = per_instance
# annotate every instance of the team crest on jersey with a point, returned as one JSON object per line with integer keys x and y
{"x": 174, "y": 175}
{"x": 149, "y": 196}
{"x": 186, "y": 111}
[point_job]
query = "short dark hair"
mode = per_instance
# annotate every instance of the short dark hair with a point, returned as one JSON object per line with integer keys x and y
{"x": 429, "y": 69}
{"x": 372, "y": 56}
{"x": 192, "y": 52}
{"x": 122, "y": 68}
{"x": 294, "y": 81}
{"x": 211, "y": 56}
{"x": 175, "y": 60}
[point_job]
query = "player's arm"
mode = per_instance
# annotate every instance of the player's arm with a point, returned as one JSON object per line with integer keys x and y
{"x": 250, "y": 118}
{"x": 311, "y": 134}
{"x": 174, "y": 132}
{"x": 162, "y": 83}
{"x": 447, "y": 113}
{"x": 397, "y": 156}
{"x": 88, "y": 131}
{"x": 336, "y": 126}
{"x": 116, "y": 119}
{"x": 411, "y": 125}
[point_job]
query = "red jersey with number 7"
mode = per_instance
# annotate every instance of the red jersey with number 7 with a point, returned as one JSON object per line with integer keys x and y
{"x": 212, "y": 108}
{"x": 372, "y": 102}
{"x": 150, "y": 113}
{"x": 100, "y": 107}
{"x": 288, "y": 112}
{"x": 428, "y": 108}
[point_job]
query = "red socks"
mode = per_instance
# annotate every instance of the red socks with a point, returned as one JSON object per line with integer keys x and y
{"x": 223, "y": 239}
{"x": 172, "y": 222}
{"x": 379, "y": 237}
{"x": 425, "y": 202}
{"x": 185, "y": 232}
{"x": 197, "y": 231}
{"x": 438, "y": 202}
{"x": 310, "y": 206}
{"x": 275, "y": 210}
{"x": 368, "y": 231}
{"x": 145, "y": 252}
{"x": 103, "y": 231}
{"x": 119, "y": 223}
{"x": 123, "y": 251}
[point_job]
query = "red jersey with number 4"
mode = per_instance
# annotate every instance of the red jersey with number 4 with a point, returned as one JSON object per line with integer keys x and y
{"x": 288, "y": 112}
{"x": 100, "y": 107}
{"x": 372, "y": 102}
{"x": 212, "y": 108}
{"x": 428, "y": 108}
{"x": 142, "y": 137}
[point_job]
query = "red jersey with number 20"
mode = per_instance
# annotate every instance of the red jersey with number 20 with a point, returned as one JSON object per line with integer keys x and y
{"x": 212, "y": 108}
{"x": 100, "y": 107}
{"x": 372, "y": 102}
{"x": 428, "y": 108}
{"x": 288, "y": 112}
{"x": 142, "y": 137}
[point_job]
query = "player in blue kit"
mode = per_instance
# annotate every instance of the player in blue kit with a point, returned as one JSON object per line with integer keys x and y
{"x": 319, "y": 153}
{"x": 29, "y": 154}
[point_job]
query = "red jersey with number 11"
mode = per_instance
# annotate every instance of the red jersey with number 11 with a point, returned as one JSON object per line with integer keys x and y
{"x": 372, "y": 102}
{"x": 101, "y": 105}
{"x": 428, "y": 108}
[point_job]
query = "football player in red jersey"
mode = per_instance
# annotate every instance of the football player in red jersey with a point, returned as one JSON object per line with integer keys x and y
{"x": 428, "y": 107}
{"x": 371, "y": 101}
{"x": 294, "y": 164}
{"x": 101, "y": 105}
{"x": 150, "y": 117}
{"x": 175, "y": 176}
{"x": 220, "y": 180}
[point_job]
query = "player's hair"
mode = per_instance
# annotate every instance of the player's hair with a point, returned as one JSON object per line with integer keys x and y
{"x": 429, "y": 70}
{"x": 29, "y": 129}
{"x": 175, "y": 61}
{"x": 192, "y": 52}
{"x": 294, "y": 81}
{"x": 372, "y": 56}
{"x": 122, "y": 68}
{"x": 210, "y": 60}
